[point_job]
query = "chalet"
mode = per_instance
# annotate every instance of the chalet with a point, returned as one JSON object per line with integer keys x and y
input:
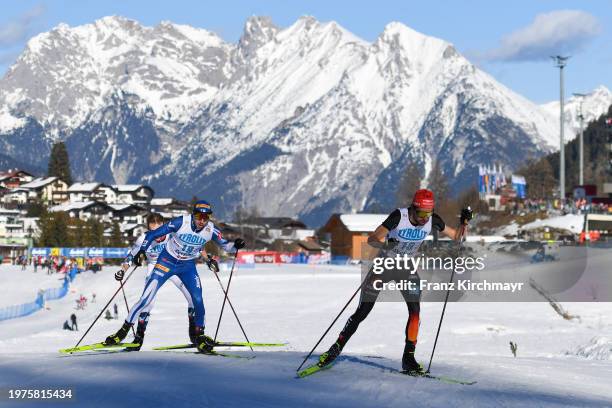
{"x": 14, "y": 178}
{"x": 169, "y": 207}
{"x": 84, "y": 192}
{"x": 349, "y": 232}
{"x": 129, "y": 213}
{"x": 16, "y": 233}
{"x": 132, "y": 231}
{"x": 283, "y": 228}
{"x": 49, "y": 190}
{"x": 16, "y": 196}
{"x": 85, "y": 210}
{"x": 132, "y": 194}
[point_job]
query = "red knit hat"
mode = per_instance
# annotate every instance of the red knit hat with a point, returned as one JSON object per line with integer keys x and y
{"x": 423, "y": 199}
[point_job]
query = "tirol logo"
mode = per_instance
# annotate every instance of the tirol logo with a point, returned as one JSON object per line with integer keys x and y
{"x": 191, "y": 239}
{"x": 156, "y": 249}
{"x": 411, "y": 234}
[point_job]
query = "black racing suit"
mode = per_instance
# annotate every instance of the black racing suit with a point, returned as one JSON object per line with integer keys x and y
{"x": 369, "y": 293}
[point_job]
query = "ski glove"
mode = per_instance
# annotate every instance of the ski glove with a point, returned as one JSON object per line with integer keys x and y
{"x": 239, "y": 243}
{"x": 212, "y": 264}
{"x": 139, "y": 258}
{"x": 466, "y": 215}
{"x": 119, "y": 275}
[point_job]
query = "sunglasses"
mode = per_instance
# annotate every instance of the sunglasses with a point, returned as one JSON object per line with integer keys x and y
{"x": 423, "y": 213}
{"x": 201, "y": 216}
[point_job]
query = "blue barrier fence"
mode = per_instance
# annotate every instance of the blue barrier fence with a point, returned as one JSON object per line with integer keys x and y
{"x": 340, "y": 260}
{"x": 81, "y": 252}
{"x": 25, "y": 309}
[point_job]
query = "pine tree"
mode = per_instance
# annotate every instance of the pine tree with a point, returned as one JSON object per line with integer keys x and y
{"x": 36, "y": 209}
{"x": 54, "y": 230}
{"x": 540, "y": 178}
{"x": 59, "y": 163}
{"x": 116, "y": 238}
{"x": 45, "y": 225}
{"x": 78, "y": 232}
{"x": 96, "y": 232}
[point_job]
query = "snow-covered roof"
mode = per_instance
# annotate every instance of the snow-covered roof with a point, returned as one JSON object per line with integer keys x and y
{"x": 167, "y": 215}
{"x": 74, "y": 206}
{"x": 13, "y": 173}
{"x": 362, "y": 222}
{"x": 39, "y": 182}
{"x": 78, "y": 187}
{"x": 127, "y": 188}
{"x": 6, "y": 211}
{"x": 129, "y": 226}
{"x": 119, "y": 207}
{"x": 162, "y": 201}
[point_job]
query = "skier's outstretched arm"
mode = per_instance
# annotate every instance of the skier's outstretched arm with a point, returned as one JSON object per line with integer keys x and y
{"x": 127, "y": 262}
{"x": 225, "y": 244}
{"x": 167, "y": 228}
{"x": 378, "y": 236}
{"x": 455, "y": 234}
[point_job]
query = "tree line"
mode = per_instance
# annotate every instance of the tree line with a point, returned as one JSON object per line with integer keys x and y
{"x": 542, "y": 174}
{"x": 58, "y": 229}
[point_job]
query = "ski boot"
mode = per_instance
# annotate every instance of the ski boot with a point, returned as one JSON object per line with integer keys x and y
{"x": 203, "y": 342}
{"x": 140, "y": 332}
{"x": 330, "y": 355}
{"x": 192, "y": 326}
{"x": 119, "y": 336}
{"x": 409, "y": 365}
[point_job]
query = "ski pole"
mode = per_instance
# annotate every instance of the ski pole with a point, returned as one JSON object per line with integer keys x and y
{"x": 461, "y": 236}
{"x": 126, "y": 304}
{"x": 229, "y": 282}
{"x": 233, "y": 310}
{"x": 104, "y": 308}
{"x": 337, "y": 317}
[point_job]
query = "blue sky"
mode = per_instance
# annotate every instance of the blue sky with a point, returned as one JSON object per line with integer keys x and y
{"x": 509, "y": 40}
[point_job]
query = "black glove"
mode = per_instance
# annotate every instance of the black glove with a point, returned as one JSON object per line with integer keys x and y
{"x": 466, "y": 216}
{"x": 119, "y": 275}
{"x": 139, "y": 258}
{"x": 239, "y": 243}
{"x": 212, "y": 264}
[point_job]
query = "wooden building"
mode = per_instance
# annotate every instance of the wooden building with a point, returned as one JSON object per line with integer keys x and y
{"x": 349, "y": 232}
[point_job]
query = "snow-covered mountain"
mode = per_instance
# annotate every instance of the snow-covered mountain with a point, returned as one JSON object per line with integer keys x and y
{"x": 306, "y": 120}
{"x": 594, "y": 104}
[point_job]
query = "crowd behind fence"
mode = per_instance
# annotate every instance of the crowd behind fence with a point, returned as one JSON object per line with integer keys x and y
{"x": 25, "y": 309}
{"x": 555, "y": 207}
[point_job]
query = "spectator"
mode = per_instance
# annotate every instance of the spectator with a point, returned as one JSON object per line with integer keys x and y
{"x": 107, "y": 315}
{"x": 73, "y": 319}
{"x": 67, "y": 326}
{"x": 116, "y": 309}
{"x": 81, "y": 302}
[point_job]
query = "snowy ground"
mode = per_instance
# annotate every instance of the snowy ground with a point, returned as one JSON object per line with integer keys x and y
{"x": 22, "y": 286}
{"x": 559, "y": 363}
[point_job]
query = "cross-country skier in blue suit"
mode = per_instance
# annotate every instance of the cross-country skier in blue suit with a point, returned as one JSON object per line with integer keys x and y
{"x": 189, "y": 234}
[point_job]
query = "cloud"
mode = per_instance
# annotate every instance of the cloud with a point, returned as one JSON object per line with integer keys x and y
{"x": 16, "y": 32}
{"x": 560, "y": 32}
